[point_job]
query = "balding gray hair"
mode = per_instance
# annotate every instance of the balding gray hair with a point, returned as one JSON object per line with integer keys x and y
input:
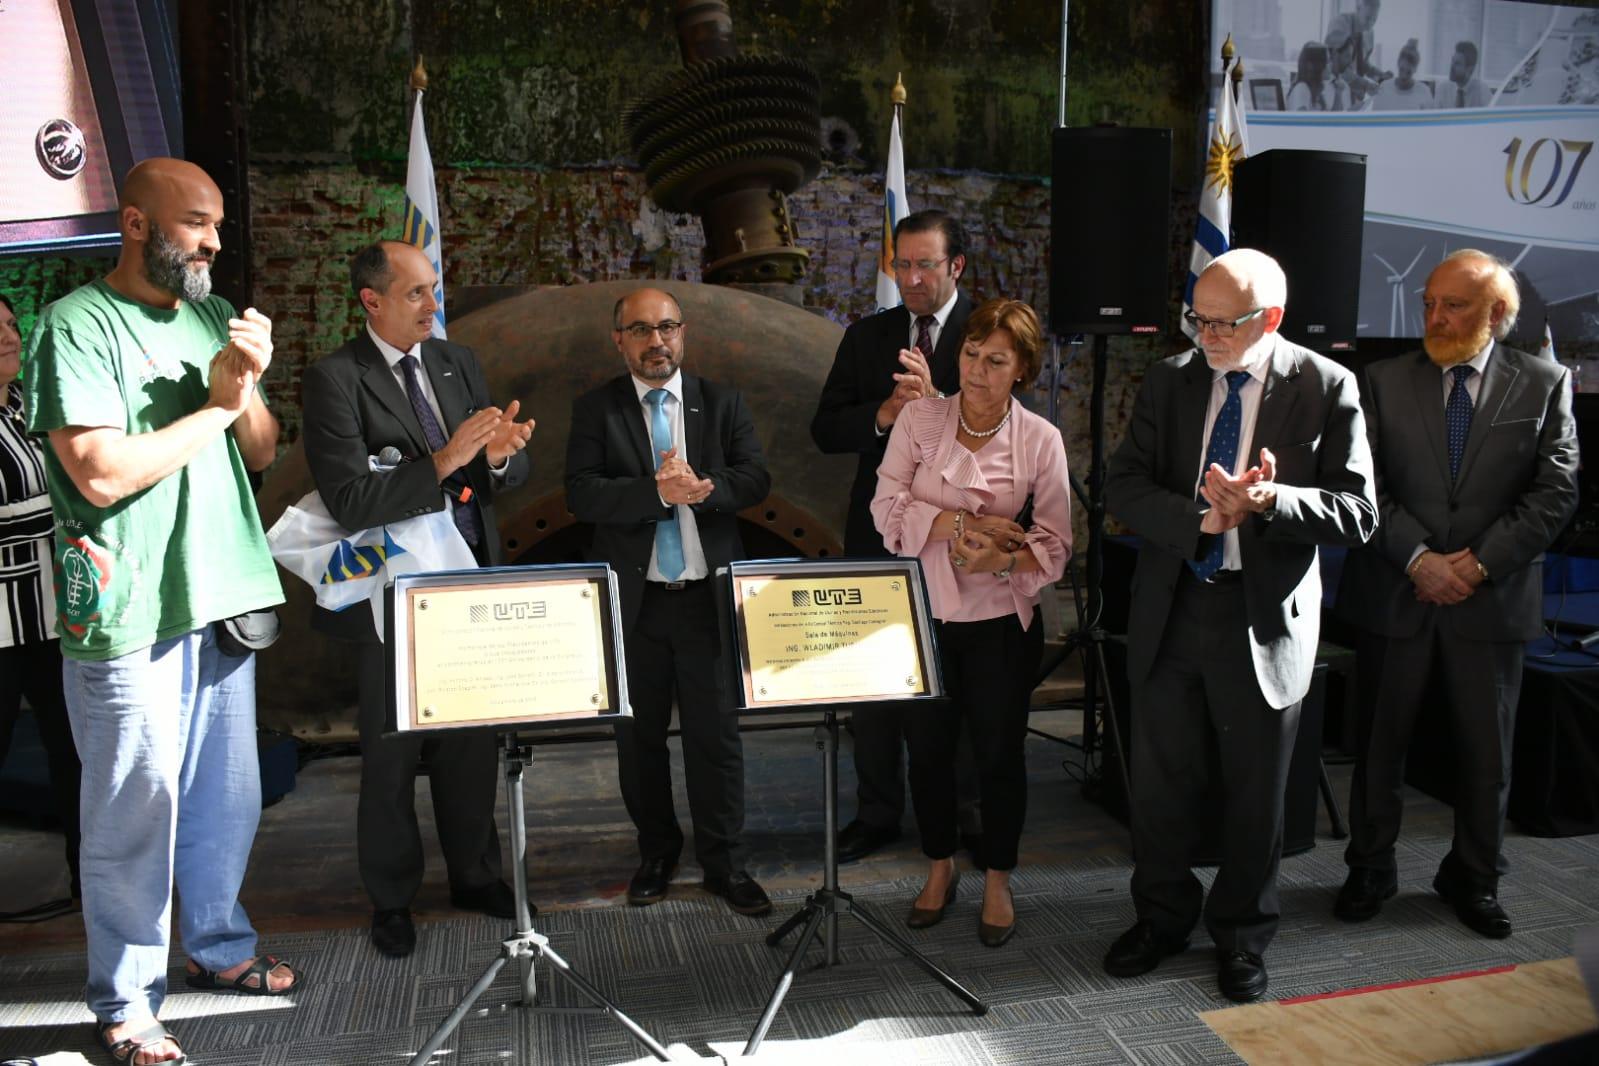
{"x": 1259, "y": 273}
{"x": 1501, "y": 285}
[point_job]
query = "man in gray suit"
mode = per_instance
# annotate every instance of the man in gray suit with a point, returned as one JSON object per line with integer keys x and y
{"x": 1476, "y": 454}
{"x": 394, "y": 385}
{"x": 1240, "y": 458}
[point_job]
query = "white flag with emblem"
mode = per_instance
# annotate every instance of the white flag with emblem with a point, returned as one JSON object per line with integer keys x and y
{"x": 1229, "y": 145}
{"x": 421, "y": 226}
{"x": 895, "y": 207}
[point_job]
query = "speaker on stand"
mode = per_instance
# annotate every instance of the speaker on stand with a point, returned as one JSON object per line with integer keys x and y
{"x": 1110, "y": 217}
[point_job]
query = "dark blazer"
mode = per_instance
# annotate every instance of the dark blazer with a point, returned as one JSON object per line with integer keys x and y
{"x": 353, "y": 408}
{"x": 862, "y": 377}
{"x": 1310, "y": 418}
{"x": 610, "y": 476}
{"x": 1516, "y": 491}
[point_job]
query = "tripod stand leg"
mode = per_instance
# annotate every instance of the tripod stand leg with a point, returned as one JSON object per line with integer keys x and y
{"x": 449, "y": 1025}
{"x": 598, "y": 999}
{"x": 795, "y": 920}
{"x": 1335, "y": 815}
{"x": 1115, "y": 726}
{"x": 894, "y": 940}
{"x": 815, "y": 916}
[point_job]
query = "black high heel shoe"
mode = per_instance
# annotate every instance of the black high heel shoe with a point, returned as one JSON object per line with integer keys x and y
{"x": 994, "y": 936}
{"x": 927, "y": 917}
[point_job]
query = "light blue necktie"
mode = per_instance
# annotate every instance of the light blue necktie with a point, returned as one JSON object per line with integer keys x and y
{"x": 668, "y": 537}
{"x": 1457, "y": 417}
{"x": 1223, "y": 451}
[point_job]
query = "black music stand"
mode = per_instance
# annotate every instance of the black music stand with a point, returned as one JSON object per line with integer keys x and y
{"x": 842, "y": 598}
{"x": 444, "y": 633}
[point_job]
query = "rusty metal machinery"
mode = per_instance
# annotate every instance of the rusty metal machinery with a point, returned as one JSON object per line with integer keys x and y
{"x": 545, "y": 348}
{"x": 728, "y": 138}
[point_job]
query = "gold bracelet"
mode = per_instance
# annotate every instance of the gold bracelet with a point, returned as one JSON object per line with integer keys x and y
{"x": 1410, "y": 571}
{"x": 1482, "y": 571}
{"x": 960, "y": 523}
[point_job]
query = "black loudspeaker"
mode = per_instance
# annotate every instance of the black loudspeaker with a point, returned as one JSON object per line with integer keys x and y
{"x": 1110, "y": 221}
{"x": 1306, "y": 210}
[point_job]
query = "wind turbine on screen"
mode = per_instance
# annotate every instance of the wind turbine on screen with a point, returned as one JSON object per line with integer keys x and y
{"x": 1396, "y": 312}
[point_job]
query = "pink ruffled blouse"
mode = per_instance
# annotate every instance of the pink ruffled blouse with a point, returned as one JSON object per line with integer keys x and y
{"x": 926, "y": 470}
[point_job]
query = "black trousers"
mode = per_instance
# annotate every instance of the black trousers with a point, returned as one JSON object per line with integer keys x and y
{"x": 1201, "y": 712}
{"x": 1481, "y": 681}
{"x": 989, "y": 668}
{"x": 674, "y": 649}
{"x": 879, "y": 737}
{"x": 34, "y": 671}
{"x": 463, "y": 779}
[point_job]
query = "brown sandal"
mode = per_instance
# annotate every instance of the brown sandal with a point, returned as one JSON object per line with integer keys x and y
{"x": 124, "y": 1051}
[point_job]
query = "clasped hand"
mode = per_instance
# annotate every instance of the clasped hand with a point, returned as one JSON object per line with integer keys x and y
{"x": 238, "y": 368}
{"x": 914, "y": 383}
{"x": 1232, "y": 499}
{"x": 493, "y": 431}
{"x": 981, "y": 551}
{"x": 1445, "y": 579}
{"x": 677, "y": 483}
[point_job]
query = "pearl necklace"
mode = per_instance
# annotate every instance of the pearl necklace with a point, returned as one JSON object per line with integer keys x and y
{"x": 969, "y": 431}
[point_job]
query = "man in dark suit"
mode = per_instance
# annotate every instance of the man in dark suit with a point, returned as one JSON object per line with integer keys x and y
{"x": 662, "y": 462}
{"x": 1476, "y": 454}
{"x": 393, "y": 385}
{"x": 885, "y": 361}
{"x": 1227, "y": 604}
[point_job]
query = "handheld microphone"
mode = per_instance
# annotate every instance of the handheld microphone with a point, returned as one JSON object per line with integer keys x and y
{"x": 390, "y": 456}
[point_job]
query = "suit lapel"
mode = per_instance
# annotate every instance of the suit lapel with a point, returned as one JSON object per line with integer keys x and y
{"x": 632, "y": 413}
{"x": 1191, "y": 405}
{"x": 378, "y": 379}
{"x": 1276, "y": 401}
{"x": 1498, "y": 381}
{"x": 1427, "y": 397}
{"x": 693, "y": 422}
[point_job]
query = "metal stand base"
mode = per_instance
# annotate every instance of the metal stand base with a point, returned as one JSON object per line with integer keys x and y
{"x": 821, "y": 910}
{"x": 527, "y": 946}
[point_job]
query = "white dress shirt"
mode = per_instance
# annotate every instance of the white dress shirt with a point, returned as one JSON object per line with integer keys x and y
{"x": 937, "y": 328}
{"x": 392, "y": 356}
{"x": 1249, "y": 397}
{"x": 694, "y": 566}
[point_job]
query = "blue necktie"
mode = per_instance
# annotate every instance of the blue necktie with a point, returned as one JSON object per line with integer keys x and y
{"x": 1457, "y": 417}
{"x": 466, "y": 516}
{"x": 668, "y": 538}
{"x": 1223, "y": 451}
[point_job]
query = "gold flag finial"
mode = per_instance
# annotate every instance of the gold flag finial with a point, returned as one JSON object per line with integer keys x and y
{"x": 419, "y": 76}
{"x": 1238, "y": 72}
{"x": 1227, "y": 51}
{"x": 898, "y": 95}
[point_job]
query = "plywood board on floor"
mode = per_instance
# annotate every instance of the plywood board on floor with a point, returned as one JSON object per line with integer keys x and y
{"x": 1441, "y": 1020}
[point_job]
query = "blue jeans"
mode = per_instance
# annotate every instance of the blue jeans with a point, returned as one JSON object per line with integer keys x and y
{"x": 171, "y": 791}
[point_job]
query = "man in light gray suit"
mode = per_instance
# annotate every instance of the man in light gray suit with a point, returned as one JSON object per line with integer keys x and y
{"x": 1240, "y": 458}
{"x": 1476, "y": 454}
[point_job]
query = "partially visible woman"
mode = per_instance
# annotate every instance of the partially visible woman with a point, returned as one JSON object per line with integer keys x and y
{"x": 30, "y": 655}
{"x": 1313, "y": 90}
{"x": 975, "y": 486}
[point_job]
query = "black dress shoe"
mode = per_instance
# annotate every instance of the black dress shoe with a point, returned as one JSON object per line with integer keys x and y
{"x": 993, "y": 936}
{"x": 927, "y": 917}
{"x": 495, "y": 900}
{"x": 650, "y": 881}
{"x": 1140, "y": 950}
{"x": 740, "y": 891}
{"x": 1479, "y": 909}
{"x": 392, "y": 933}
{"x": 1364, "y": 890}
{"x": 1241, "y": 976}
{"x": 859, "y": 839}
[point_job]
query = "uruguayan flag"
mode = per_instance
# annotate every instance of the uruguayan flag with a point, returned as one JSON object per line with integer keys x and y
{"x": 1229, "y": 145}
{"x": 895, "y": 207}
{"x": 421, "y": 226}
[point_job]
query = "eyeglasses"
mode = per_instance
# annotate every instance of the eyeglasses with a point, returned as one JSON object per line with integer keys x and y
{"x": 1221, "y": 327}
{"x": 640, "y": 331}
{"x": 903, "y": 266}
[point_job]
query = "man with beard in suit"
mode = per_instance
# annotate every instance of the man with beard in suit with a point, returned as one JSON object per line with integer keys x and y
{"x": 885, "y": 361}
{"x": 1476, "y": 453}
{"x": 661, "y": 462}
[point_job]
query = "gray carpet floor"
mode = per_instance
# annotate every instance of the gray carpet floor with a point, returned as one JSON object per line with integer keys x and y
{"x": 696, "y": 976}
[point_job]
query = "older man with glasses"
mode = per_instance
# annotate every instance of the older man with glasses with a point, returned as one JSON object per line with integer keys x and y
{"x": 1241, "y": 456}
{"x": 661, "y": 462}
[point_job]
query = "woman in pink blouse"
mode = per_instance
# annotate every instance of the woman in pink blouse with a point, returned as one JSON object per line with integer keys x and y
{"x": 959, "y": 474}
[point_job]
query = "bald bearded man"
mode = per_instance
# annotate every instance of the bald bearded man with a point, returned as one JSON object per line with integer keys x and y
{"x": 146, "y": 388}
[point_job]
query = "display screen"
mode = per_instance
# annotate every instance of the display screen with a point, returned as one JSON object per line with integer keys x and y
{"x": 90, "y": 87}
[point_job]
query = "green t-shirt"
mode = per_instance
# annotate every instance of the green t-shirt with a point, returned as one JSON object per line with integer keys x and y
{"x": 187, "y": 551}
